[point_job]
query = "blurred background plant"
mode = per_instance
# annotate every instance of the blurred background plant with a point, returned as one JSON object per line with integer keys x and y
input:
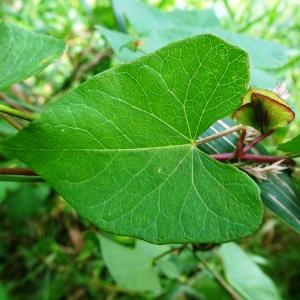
{"x": 47, "y": 252}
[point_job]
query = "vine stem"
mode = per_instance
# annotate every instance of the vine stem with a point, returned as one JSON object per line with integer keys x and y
{"x": 11, "y": 121}
{"x": 219, "y": 134}
{"x": 21, "y": 178}
{"x": 19, "y": 174}
{"x": 252, "y": 157}
{"x": 17, "y": 113}
{"x": 169, "y": 251}
{"x": 257, "y": 140}
{"x": 234, "y": 295}
{"x": 240, "y": 144}
{"x": 17, "y": 171}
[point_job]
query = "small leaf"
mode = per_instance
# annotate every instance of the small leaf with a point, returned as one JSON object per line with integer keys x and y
{"x": 157, "y": 29}
{"x": 264, "y": 111}
{"x": 245, "y": 276}
{"x": 145, "y": 18}
{"x": 292, "y": 146}
{"x": 129, "y": 267}
{"x": 121, "y": 147}
{"x": 24, "y": 53}
{"x": 119, "y": 43}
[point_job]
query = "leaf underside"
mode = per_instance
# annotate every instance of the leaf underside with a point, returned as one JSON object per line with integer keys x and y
{"x": 120, "y": 148}
{"x": 24, "y": 53}
{"x": 131, "y": 268}
{"x": 245, "y": 276}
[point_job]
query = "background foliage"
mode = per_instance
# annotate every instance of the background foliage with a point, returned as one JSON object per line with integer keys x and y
{"x": 47, "y": 252}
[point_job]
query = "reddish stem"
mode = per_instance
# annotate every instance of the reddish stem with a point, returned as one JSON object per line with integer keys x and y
{"x": 17, "y": 171}
{"x": 267, "y": 158}
{"x": 223, "y": 156}
{"x": 240, "y": 144}
{"x": 252, "y": 157}
{"x": 257, "y": 140}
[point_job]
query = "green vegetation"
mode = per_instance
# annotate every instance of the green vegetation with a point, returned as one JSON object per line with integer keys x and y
{"x": 136, "y": 163}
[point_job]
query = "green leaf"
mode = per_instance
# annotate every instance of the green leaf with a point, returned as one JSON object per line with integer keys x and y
{"x": 278, "y": 193}
{"x": 264, "y": 79}
{"x": 121, "y": 147}
{"x": 145, "y": 18}
{"x": 157, "y": 29}
{"x": 209, "y": 288}
{"x": 262, "y": 54}
{"x": 282, "y": 197}
{"x": 24, "y": 53}
{"x": 292, "y": 146}
{"x": 120, "y": 44}
{"x": 245, "y": 276}
{"x": 129, "y": 267}
{"x": 163, "y": 264}
{"x": 264, "y": 111}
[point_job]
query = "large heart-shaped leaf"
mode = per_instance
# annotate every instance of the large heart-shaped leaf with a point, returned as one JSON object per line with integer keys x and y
{"x": 24, "y": 53}
{"x": 121, "y": 147}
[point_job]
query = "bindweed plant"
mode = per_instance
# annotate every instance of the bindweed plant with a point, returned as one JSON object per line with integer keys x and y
{"x": 165, "y": 148}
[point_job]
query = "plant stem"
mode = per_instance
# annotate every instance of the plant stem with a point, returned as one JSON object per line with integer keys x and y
{"x": 219, "y": 134}
{"x": 267, "y": 158}
{"x": 172, "y": 250}
{"x": 19, "y": 174}
{"x": 223, "y": 156}
{"x": 17, "y": 171}
{"x": 21, "y": 178}
{"x": 252, "y": 157}
{"x": 257, "y": 140}
{"x": 11, "y": 121}
{"x": 16, "y": 113}
{"x": 11, "y": 102}
{"x": 240, "y": 144}
{"x": 234, "y": 295}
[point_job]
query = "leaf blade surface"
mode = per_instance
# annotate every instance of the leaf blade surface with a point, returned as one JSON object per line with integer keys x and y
{"x": 121, "y": 147}
{"x": 24, "y": 53}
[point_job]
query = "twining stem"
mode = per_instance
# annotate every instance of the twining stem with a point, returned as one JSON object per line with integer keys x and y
{"x": 240, "y": 144}
{"x": 17, "y": 171}
{"x": 169, "y": 251}
{"x": 19, "y": 174}
{"x": 21, "y": 178}
{"x": 252, "y": 157}
{"x": 267, "y": 158}
{"x": 223, "y": 156}
{"x": 257, "y": 140}
{"x": 234, "y": 295}
{"x": 11, "y": 121}
{"x": 10, "y": 102}
{"x": 219, "y": 134}
{"x": 16, "y": 113}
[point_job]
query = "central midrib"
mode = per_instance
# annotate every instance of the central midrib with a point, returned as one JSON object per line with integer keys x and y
{"x": 191, "y": 146}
